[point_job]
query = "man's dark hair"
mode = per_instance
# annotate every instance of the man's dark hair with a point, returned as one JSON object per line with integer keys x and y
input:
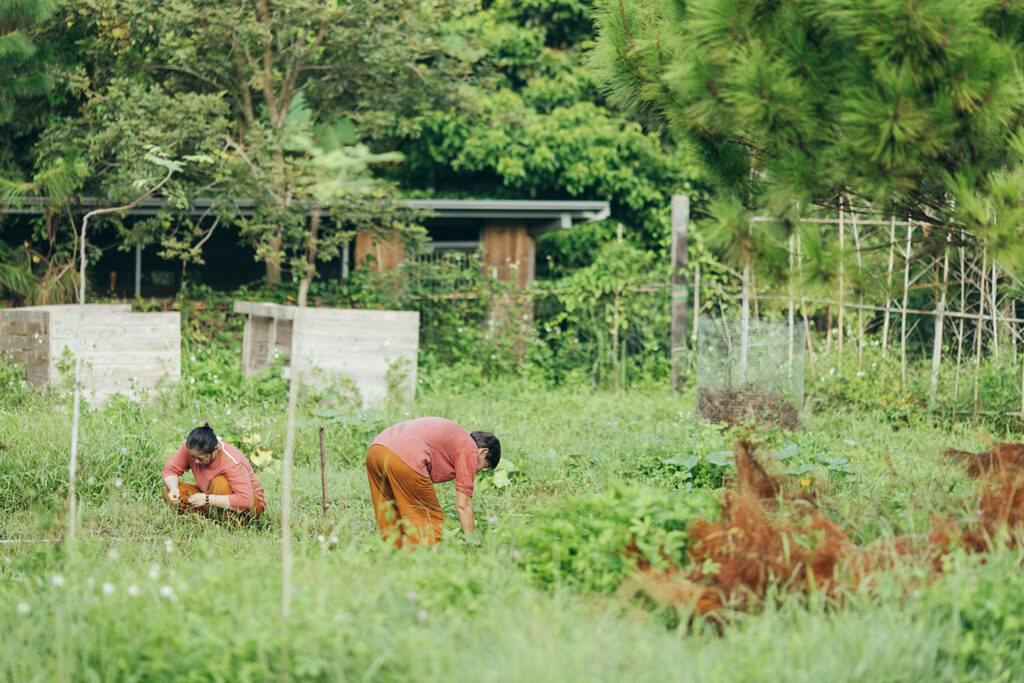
{"x": 491, "y": 443}
{"x": 202, "y": 439}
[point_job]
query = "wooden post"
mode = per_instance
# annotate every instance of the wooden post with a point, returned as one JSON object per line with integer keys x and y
{"x": 803, "y": 304}
{"x": 906, "y": 293}
{"x": 995, "y": 314}
{"x": 696, "y": 303}
{"x": 138, "y": 271}
{"x": 940, "y": 315}
{"x": 842, "y": 283}
{"x": 888, "y": 285}
{"x": 981, "y": 326}
{"x": 323, "y": 471}
{"x": 745, "y": 323}
{"x": 960, "y": 324}
{"x": 860, "y": 297}
{"x": 680, "y": 293}
{"x": 792, "y": 326}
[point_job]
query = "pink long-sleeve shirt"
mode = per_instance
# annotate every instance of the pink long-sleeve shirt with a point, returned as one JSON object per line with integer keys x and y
{"x": 231, "y": 464}
{"x": 436, "y": 448}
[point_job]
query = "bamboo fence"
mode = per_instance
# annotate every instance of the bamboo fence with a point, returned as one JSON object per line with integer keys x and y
{"x": 889, "y": 263}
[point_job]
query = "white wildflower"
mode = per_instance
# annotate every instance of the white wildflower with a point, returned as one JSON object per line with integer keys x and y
{"x": 24, "y": 608}
{"x": 167, "y": 592}
{"x": 57, "y": 580}
{"x": 108, "y": 588}
{"x": 133, "y": 590}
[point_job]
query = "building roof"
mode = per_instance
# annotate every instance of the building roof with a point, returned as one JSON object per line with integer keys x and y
{"x": 541, "y": 215}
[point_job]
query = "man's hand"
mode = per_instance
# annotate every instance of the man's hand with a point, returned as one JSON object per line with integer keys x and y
{"x": 197, "y": 500}
{"x": 464, "y": 506}
{"x": 174, "y": 495}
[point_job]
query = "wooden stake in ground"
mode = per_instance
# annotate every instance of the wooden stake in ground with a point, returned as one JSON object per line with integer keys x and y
{"x": 860, "y": 294}
{"x": 842, "y": 283}
{"x": 981, "y": 326}
{"x": 323, "y": 471}
{"x": 679, "y": 292}
{"x": 888, "y": 285}
{"x": 792, "y": 302}
{"x": 906, "y": 292}
{"x": 940, "y": 314}
{"x": 960, "y": 324}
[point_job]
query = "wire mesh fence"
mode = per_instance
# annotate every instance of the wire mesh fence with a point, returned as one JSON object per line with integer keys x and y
{"x": 751, "y": 372}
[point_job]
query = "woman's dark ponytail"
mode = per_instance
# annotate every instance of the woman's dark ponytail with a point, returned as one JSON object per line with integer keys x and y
{"x": 202, "y": 439}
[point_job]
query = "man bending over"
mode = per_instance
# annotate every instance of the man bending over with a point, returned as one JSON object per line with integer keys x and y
{"x": 407, "y": 459}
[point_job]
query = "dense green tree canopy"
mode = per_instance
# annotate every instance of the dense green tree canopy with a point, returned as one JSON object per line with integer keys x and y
{"x": 913, "y": 107}
{"x": 532, "y": 123}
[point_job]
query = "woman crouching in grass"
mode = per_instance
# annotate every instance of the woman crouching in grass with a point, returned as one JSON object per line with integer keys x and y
{"x": 224, "y": 478}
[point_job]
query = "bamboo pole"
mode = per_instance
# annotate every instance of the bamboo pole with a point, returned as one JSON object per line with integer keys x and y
{"x": 995, "y": 313}
{"x": 323, "y": 473}
{"x": 860, "y": 298}
{"x": 745, "y": 324}
{"x": 792, "y": 326}
{"x": 903, "y": 322}
{"x": 842, "y": 282}
{"x": 960, "y": 323}
{"x": 914, "y": 311}
{"x": 696, "y": 303}
{"x": 937, "y": 341}
{"x": 803, "y": 303}
{"x": 76, "y": 411}
{"x": 980, "y": 327}
{"x": 888, "y": 285}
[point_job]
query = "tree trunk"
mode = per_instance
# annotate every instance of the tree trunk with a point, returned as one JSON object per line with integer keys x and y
{"x": 272, "y": 261}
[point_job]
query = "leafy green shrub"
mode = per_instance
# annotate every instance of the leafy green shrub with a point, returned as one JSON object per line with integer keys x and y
{"x": 982, "y": 600}
{"x": 585, "y": 542}
{"x": 14, "y": 388}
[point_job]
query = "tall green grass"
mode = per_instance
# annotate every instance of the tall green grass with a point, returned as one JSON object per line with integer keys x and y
{"x": 147, "y": 595}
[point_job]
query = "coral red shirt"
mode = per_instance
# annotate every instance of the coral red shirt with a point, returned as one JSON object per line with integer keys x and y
{"x": 436, "y": 448}
{"x": 231, "y": 464}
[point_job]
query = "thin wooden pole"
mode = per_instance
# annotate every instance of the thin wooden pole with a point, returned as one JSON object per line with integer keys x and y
{"x": 745, "y": 324}
{"x": 937, "y": 342}
{"x": 906, "y": 293}
{"x": 680, "y": 294}
{"x": 842, "y": 282}
{"x": 76, "y": 410}
{"x": 803, "y": 303}
{"x": 981, "y": 326}
{"x": 696, "y": 303}
{"x": 792, "y": 303}
{"x": 995, "y": 314}
{"x": 323, "y": 472}
{"x": 860, "y": 311}
{"x": 960, "y": 323}
{"x": 888, "y": 285}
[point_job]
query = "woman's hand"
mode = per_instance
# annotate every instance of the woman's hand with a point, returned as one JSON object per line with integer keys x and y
{"x": 173, "y": 494}
{"x": 197, "y": 500}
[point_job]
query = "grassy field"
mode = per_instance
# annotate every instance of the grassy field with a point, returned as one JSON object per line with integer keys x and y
{"x": 146, "y": 595}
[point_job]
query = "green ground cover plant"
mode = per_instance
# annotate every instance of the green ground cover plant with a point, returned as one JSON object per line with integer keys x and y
{"x": 144, "y": 594}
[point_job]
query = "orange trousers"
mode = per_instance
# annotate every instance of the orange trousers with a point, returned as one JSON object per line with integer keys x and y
{"x": 404, "y": 501}
{"x": 219, "y": 486}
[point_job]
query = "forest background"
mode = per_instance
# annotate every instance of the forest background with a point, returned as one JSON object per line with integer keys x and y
{"x": 904, "y": 111}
